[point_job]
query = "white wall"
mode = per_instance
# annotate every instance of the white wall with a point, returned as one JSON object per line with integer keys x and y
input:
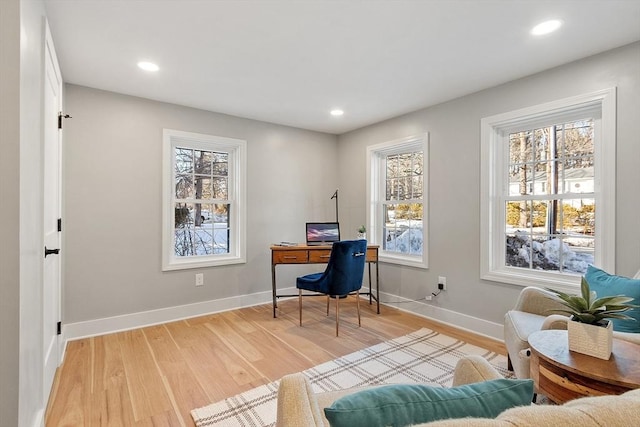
{"x": 112, "y": 209}
{"x": 454, "y": 175}
{"x": 10, "y": 212}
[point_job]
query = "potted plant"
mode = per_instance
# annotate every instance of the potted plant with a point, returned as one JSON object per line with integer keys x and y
{"x": 362, "y": 232}
{"x": 590, "y": 332}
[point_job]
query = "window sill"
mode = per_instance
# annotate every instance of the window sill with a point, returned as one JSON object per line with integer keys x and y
{"x": 191, "y": 263}
{"x": 415, "y": 262}
{"x": 541, "y": 279}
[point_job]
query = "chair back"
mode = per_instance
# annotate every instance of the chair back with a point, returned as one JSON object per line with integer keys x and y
{"x": 345, "y": 269}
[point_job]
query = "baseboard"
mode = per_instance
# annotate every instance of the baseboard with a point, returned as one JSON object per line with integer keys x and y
{"x": 442, "y": 315}
{"x": 38, "y": 420}
{"x": 74, "y": 331}
{"x": 90, "y": 328}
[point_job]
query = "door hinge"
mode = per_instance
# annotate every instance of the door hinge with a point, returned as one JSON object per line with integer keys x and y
{"x": 59, "y": 224}
{"x": 59, "y": 328}
{"x": 62, "y": 116}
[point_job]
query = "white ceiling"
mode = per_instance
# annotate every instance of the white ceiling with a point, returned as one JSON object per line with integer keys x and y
{"x": 291, "y": 61}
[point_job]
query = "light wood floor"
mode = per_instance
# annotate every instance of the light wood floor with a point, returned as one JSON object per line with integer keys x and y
{"x": 156, "y": 375}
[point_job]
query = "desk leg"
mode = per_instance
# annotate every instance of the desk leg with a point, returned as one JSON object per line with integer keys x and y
{"x": 273, "y": 288}
{"x": 370, "y": 290}
{"x": 377, "y": 287}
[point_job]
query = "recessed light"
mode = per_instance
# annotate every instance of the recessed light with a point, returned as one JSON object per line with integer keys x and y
{"x": 148, "y": 66}
{"x": 546, "y": 27}
{"x": 337, "y": 112}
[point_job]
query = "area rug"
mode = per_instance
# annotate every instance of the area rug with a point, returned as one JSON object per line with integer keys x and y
{"x": 423, "y": 356}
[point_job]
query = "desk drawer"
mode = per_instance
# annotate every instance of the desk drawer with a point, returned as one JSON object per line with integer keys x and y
{"x": 319, "y": 255}
{"x": 290, "y": 257}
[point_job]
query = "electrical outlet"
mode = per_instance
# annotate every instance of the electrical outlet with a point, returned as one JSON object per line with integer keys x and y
{"x": 199, "y": 279}
{"x": 442, "y": 283}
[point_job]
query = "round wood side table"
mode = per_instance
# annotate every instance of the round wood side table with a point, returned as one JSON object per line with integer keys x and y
{"x": 563, "y": 375}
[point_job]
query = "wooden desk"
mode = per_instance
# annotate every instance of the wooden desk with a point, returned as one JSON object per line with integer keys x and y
{"x": 303, "y": 254}
{"x": 563, "y": 375}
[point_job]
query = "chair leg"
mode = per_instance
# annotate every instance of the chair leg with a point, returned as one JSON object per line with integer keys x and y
{"x": 337, "y": 313}
{"x": 300, "y": 304}
{"x": 328, "y": 297}
{"x": 358, "y": 306}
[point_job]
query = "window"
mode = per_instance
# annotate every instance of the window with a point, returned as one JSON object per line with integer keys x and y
{"x": 548, "y": 189}
{"x": 204, "y": 200}
{"x": 397, "y": 186}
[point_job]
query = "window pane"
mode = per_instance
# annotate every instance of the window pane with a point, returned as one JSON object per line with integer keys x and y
{"x": 184, "y": 187}
{"x": 578, "y": 179}
{"x": 219, "y": 187}
{"x": 392, "y": 189}
{"x": 579, "y": 217}
{"x": 392, "y": 167}
{"x": 201, "y": 229}
{"x": 403, "y": 230}
{"x": 203, "y": 162}
{"x": 520, "y": 147}
{"x": 221, "y": 228}
{"x": 220, "y": 164}
{"x": 519, "y": 180}
{"x": 576, "y": 141}
{"x": 184, "y": 161}
{"x": 416, "y": 187}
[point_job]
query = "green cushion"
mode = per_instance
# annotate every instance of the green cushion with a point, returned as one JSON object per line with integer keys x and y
{"x": 605, "y": 285}
{"x": 406, "y": 404}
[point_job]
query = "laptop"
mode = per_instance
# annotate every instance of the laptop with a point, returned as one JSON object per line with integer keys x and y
{"x": 322, "y": 233}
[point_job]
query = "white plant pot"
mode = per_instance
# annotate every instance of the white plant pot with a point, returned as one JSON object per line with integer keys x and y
{"x": 362, "y": 235}
{"x": 592, "y": 340}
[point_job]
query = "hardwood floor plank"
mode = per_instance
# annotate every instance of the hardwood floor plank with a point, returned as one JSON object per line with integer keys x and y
{"x": 148, "y": 395}
{"x": 155, "y": 376}
{"x": 179, "y": 379}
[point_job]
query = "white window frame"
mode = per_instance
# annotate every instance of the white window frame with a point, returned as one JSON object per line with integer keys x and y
{"x": 376, "y": 194}
{"x": 494, "y": 158}
{"x": 236, "y": 148}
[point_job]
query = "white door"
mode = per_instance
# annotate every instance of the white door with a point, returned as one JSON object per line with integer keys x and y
{"x": 52, "y": 201}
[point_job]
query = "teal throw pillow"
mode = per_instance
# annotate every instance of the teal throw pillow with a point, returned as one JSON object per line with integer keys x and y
{"x": 406, "y": 404}
{"x": 605, "y": 285}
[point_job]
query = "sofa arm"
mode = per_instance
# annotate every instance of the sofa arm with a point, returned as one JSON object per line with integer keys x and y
{"x": 554, "y": 321}
{"x": 627, "y": 336}
{"x": 297, "y": 405}
{"x": 473, "y": 369}
{"x": 537, "y": 301}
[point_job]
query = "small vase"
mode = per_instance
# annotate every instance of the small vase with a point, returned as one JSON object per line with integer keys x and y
{"x": 592, "y": 340}
{"x": 362, "y": 236}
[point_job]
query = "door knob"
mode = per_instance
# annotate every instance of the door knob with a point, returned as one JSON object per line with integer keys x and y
{"x": 50, "y": 251}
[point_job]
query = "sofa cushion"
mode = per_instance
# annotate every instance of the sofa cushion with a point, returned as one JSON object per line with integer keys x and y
{"x": 605, "y": 284}
{"x": 406, "y": 404}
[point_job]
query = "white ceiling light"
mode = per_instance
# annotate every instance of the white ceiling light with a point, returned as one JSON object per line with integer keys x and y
{"x": 546, "y": 27}
{"x": 337, "y": 112}
{"x": 148, "y": 66}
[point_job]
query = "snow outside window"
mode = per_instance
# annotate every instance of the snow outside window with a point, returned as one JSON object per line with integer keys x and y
{"x": 548, "y": 188}
{"x": 397, "y": 185}
{"x": 204, "y": 205}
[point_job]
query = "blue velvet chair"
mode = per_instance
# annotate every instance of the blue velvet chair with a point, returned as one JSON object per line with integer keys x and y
{"x": 342, "y": 276}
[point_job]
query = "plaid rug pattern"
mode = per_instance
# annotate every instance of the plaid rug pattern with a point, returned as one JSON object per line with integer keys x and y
{"x": 423, "y": 356}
